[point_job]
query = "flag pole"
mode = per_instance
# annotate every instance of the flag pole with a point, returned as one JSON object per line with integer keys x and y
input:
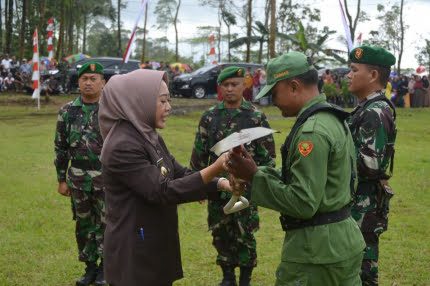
{"x": 36, "y": 71}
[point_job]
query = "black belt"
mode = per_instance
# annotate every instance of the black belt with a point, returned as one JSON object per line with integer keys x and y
{"x": 289, "y": 223}
{"x": 86, "y": 165}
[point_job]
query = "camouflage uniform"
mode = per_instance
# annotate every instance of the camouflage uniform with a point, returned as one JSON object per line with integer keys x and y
{"x": 233, "y": 235}
{"x": 79, "y": 141}
{"x": 374, "y": 132}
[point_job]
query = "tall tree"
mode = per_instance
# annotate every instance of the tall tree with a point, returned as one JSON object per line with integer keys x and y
{"x": 248, "y": 30}
{"x": 272, "y": 37}
{"x": 145, "y": 32}
{"x": 119, "y": 28}
{"x": 391, "y": 32}
{"x": 1, "y": 27}
{"x": 167, "y": 14}
{"x": 423, "y": 55}
{"x": 23, "y": 26}
{"x": 9, "y": 24}
{"x": 229, "y": 20}
{"x": 59, "y": 51}
{"x": 360, "y": 16}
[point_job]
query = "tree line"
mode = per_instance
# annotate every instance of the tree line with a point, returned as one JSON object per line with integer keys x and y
{"x": 95, "y": 27}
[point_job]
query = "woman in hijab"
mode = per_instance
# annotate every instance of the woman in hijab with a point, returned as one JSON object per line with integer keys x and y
{"x": 144, "y": 183}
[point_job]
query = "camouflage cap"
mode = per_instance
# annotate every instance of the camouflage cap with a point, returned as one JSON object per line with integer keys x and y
{"x": 230, "y": 72}
{"x": 283, "y": 67}
{"x": 90, "y": 67}
{"x": 372, "y": 55}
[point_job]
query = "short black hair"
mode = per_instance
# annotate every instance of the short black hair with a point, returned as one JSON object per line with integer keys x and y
{"x": 384, "y": 73}
{"x": 308, "y": 78}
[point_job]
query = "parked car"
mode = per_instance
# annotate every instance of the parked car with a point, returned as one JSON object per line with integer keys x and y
{"x": 112, "y": 66}
{"x": 202, "y": 82}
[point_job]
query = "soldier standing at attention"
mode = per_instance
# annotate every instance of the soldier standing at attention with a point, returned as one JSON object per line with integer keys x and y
{"x": 78, "y": 141}
{"x": 233, "y": 234}
{"x": 373, "y": 128}
{"x": 313, "y": 192}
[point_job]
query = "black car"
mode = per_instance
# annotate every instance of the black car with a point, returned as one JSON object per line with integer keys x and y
{"x": 111, "y": 66}
{"x": 202, "y": 82}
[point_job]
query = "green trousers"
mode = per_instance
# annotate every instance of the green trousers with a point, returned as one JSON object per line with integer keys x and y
{"x": 344, "y": 273}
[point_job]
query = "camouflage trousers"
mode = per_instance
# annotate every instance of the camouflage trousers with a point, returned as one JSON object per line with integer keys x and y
{"x": 233, "y": 235}
{"x": 89, "y": 212}
{"x": 373, "y": 221}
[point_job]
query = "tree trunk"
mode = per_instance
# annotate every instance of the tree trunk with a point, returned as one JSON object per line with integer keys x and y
{"x": 260, "y": 52}
{"x": 229, "y": 40}
{"x": 272, "y": 37}
{"x": 42, "y": 25}
{"x": 248, "y": 30}
{"x": 58, "y": 53}
{"x": 175, "y": 23}
{"x": 142, "y": 58}
{"x": 23, "y": 25}
{"x": 70, "y": 25}
{"x": 84, "y": 36}
{"x": 9, "y": 19}
{"x": 402, "y": 33}
{"x": 352, "y": 24}
{"x": 1, "y": 28}
{"x": 221, "y": 3}
{"x": 119, "y": 29}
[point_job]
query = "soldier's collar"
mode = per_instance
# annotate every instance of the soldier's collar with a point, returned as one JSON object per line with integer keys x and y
{"x": 244, "y": 105}
{"x": 372, "y": 96}
{"x": 77, "y": 101}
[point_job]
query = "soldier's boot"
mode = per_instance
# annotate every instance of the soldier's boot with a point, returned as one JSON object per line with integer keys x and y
{"x": 89, "y": 276}
{"x": 100, "y": 278}
{"x": 245, "y": 276}
{"x": 229, "y": 278}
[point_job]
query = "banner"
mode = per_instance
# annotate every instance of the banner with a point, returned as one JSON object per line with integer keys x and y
{"x": 50, "y": 30}
{"x": 130, "y": 44}
{"x": 346, "y": 27}
{"x": 36, "y": 75}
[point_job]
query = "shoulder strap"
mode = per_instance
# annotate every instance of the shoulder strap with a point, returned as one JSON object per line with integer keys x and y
{"x": 333, "y": 109}
{"x": 381, "y": 98}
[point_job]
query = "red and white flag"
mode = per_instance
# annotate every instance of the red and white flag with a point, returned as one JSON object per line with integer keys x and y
{"x": 36, "y": 75}
{"x": 359, "y": 39}
{"x": 133, "y": 32}
{"x": 212, "y": 54}
{"x": 50, "y": 30}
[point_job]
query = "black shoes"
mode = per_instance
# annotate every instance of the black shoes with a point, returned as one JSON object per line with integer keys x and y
{"x": 93, "y": 274}
{"x": 89, "y": 276}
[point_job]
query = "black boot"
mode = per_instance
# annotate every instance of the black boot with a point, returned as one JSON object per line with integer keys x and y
{"x": 229, "y": 278}
{"x": 89, "y": 276}
{"x": 100, "y": 278}
{"x": 245, "y": 276}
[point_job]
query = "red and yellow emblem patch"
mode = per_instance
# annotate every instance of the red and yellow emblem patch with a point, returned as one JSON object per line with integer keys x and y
{"x": 305, "y": 148}
{"x": 92, "y": 67}
{"x": 358, "y": 53}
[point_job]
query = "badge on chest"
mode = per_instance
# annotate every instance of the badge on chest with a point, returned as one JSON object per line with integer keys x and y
{"x": 163, "y": 169}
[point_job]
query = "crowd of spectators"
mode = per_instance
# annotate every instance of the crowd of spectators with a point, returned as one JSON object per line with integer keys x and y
{"x": 402, "y": 90}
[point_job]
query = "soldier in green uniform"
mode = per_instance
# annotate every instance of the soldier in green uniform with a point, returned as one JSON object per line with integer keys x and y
{"x": 373, "y": 128}
{"x": 78, "y": 141}
{"x": 313, "y": 192}
{"x": 233, "y": 234}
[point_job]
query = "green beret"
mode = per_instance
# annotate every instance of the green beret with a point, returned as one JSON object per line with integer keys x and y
{"x": 230, "y": 72}
{"x": 372, "y": 56}
{"x": 286, "y": 66}
{"x": 90, "y": 67}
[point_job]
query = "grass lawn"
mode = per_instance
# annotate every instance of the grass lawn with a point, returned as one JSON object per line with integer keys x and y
{"x": 37, "y": 244}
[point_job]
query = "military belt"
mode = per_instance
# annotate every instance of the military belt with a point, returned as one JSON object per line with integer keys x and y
{"x": 290, "y": 223}
{"x": 86, "y": 165}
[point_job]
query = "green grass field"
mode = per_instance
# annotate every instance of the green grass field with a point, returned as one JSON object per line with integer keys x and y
{"x": 37, "y": 245}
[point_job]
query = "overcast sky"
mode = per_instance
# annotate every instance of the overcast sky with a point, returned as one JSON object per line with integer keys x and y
{"x": 192, "y": 15}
